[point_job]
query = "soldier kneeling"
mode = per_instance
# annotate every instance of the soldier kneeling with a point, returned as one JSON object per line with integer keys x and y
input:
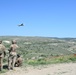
{"x": 19, "y": 60}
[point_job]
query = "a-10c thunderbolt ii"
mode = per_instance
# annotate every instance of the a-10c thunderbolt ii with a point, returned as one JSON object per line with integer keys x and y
{"x": 21, "y": 24}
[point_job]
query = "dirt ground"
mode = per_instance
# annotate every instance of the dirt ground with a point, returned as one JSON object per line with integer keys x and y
{"x": 54, "y": 69}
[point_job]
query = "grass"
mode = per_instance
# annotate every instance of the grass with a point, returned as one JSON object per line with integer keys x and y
{"x": 52, "y": 60}
{"x": 3, "y": 71}
{"x": 47, "y": 61}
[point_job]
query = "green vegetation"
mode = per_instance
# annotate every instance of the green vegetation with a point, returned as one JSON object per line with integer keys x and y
{"x": 43, "y": 50}
{"x": 53, "y": 60}
{"x": 3, "y": 71}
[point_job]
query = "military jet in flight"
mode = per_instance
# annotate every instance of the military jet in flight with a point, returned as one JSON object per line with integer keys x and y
{"x": 21, "y": 24}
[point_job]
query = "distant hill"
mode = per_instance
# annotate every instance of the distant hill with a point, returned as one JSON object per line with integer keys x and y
{"x": 42, "y": 46}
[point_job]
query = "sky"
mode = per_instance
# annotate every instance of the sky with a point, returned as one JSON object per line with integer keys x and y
{"x": 45, "y": 18}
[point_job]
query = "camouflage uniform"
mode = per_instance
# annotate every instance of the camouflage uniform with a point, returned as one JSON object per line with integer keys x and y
{"x": 18, "y": 61}
{"x": 2, "y": 54}
{"x": 12, "y": 55}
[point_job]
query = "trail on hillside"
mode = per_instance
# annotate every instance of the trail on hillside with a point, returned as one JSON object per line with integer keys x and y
{"x": 54, "y": 69}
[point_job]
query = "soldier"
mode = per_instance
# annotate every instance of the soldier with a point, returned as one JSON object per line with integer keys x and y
{"x": 2, "y": 54}
{"x": 12, "y": 55}
{"x": 19, "y": 60}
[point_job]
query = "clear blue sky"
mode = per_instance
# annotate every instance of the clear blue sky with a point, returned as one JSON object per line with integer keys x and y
{"x": 47, "y": 18}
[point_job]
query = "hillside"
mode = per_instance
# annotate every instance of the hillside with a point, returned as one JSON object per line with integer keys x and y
{"x": 42, "y": 46}
{"x": 39, "y": 51}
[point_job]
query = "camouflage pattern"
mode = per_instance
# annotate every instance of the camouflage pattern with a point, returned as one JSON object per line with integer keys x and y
{"x": 2, "y": 54}
{"x": 12, "y": 55}
{"x": 18, "y": 62}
